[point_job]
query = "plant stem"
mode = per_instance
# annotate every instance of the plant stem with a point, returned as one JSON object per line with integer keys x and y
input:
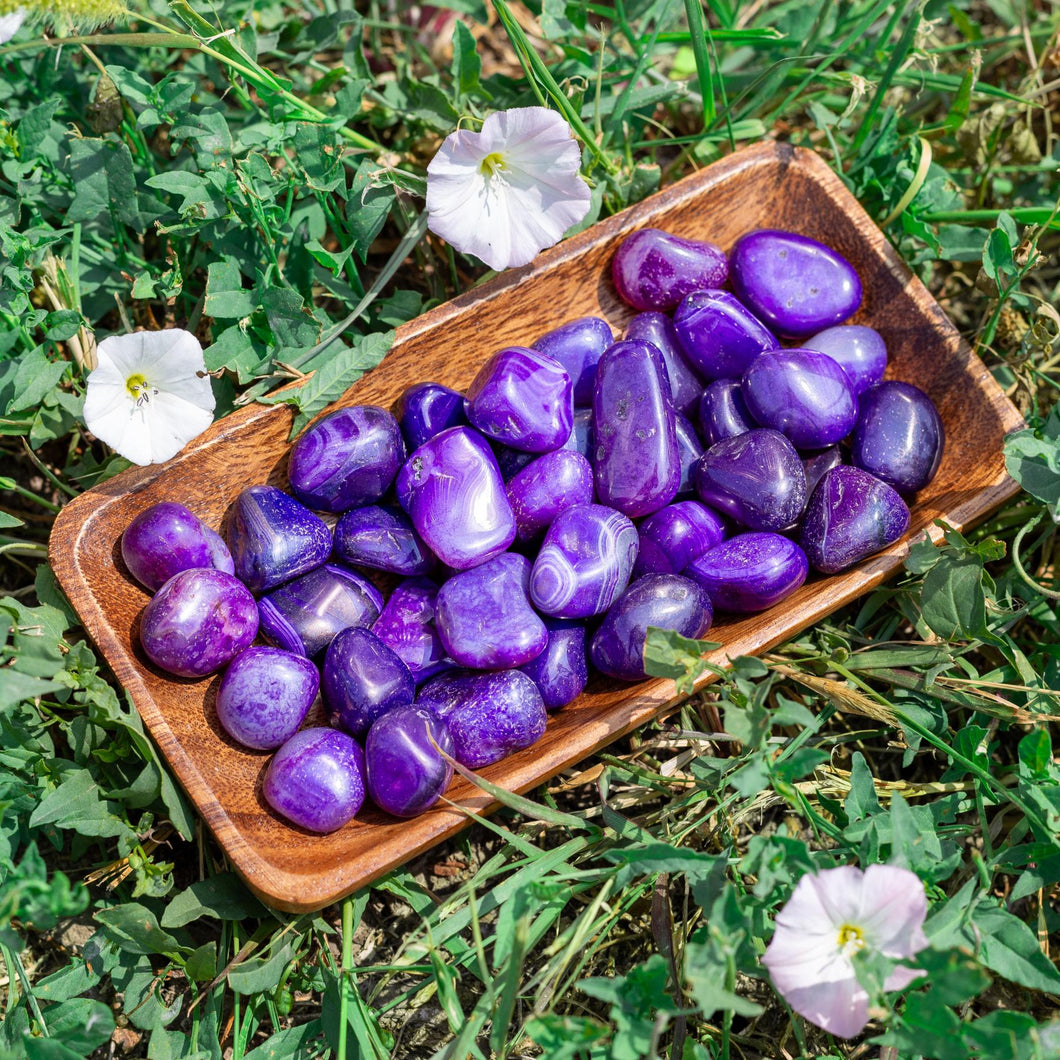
{"x": 344, "y": 972}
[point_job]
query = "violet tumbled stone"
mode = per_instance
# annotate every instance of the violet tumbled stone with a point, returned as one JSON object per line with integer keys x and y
{"x": 674, "y": 536}
{"x": 723, "y": 413}
{"x": 685, "y": 382}
{"x": 665, "y": 601}
{"x": 316, "y": 779}
{"x": 636, "y": 463}
{"x": 522, "y": 398}
{"x": 167, "y": 538}
{"x": 750, "y": 572}
{"x": 584, "y": 562}
{"x": 577, "y": 346}
{"x": 406, "y": 625}
{"x": 406, "y": 774}
{"x": 348, "y": 459}
{"x": 197, "y": 621}
{"x": 426, "y": 409}
{"x": 562, "y": 669}
{"x": 546, "y": 487}
{"x": 719, "y": 335}
{"x": 689, "y": 450}
{"x": 363, "y": 679}
{"x": 795, "y": 285}
{"x": 581, "y": 435}
{"x": 265, "y": 695}
{"x": 382, "y": 537}
{"x": 851, "y": 515}
{"x": 860, "y": 351}
{"x": 815, "y": 464}
{"x": 756, "y": 478}
{"x": 653, "y": 269}
{"x": 274, "y": 538}
{"x": 452, "y": 489}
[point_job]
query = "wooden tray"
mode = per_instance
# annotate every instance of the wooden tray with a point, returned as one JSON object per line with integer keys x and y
{"x": 771, "y": 185}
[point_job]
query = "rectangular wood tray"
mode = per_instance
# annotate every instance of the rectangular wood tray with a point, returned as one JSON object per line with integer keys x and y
{"x": 771, "y": 185}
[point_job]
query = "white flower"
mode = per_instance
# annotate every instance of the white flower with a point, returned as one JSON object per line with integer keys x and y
{"x": 149, "y": 395}
{"x": 830, "y": 917}
{"x": 509, "y": 191}
{"x": 10, "y": 23}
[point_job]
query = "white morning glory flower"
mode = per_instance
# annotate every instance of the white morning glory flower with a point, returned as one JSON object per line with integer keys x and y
{"x": 830, "y": 917}
{"x": 149, "y": 394}
{"x": 10, "y": 23}
{"x": 509, "y": 191}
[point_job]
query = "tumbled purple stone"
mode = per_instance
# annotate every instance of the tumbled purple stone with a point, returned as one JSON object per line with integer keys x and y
{"x": 406, "y": 774}
{"x": 197, "y": 621}
{"x": 665, "y": 601}
{"x": 347, "y": 459}
{"x": 793, "y": 284}
{"x": 485, "y": 618}
{"x": 426, "y": 409}
{"x": 453, "y": 491}
{"x": 653, "y": 269}
{"x": 581, "y": 435}
{"x": 719, "y": 335}
{"x": 584, "y": 562}
{"x": 562, "y": 669}
{"x": 382, "y": 537}
{"x": 265, "y": 695}
{"x": 685, "y": 382}
{"x": 803, "y": 394}
{"x": 316, "y": 779}
{"x": 851, "y": 515}
{"x": 756, "y": 478}
{"x": 674, "y": 536}
{"x": 274, "y": 538}
{"x": 723, "y": 413}
{"x": 522, "y": 398}
{"x": 899, "y": 436}
{"x": 511, "y": 461}
{"x": 750, "y": 572}
{"x": 305, "y": 614}
{"x": 547, "y": 486}
{"x": 817, "y": 463}
{"x": 577, "y": 346}
{"x": 858, "y": 350}
{"x": 689, "y": 450}
{"x": 636, "y": 463}
{"x": 406, "y": 625}
{"x": 167, "y": 538}
{"x": 490, "y": 715}
{"x": 363, "y": 679}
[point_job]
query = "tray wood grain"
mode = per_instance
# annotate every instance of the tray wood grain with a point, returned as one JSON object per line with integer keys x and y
{"x": 771, "y": 185}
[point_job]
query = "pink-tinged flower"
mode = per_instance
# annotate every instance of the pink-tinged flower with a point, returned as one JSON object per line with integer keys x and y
{"x": 509, "y": 191}
{"x": 828, "y": 919}
{"x": 10, "y": 23}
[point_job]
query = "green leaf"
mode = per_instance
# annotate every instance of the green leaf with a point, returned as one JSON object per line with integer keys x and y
{"x": 223, "y": 897}
{"x": 668, "y": 654}
{"x": 261, "y": 974}
{"x": 371, "y": 199}
{"x": 1009, "y": 948}
{"x": 288, "y": 1044}
{"x": 134, "y": 928}
{"x": 37, "y": 376}
{"x": 226, "y": 298}
{"x": 103, "y": 180}
{"x": 1032, "y": 458}
{"x": 81, "y": 1023}
{"x": 201, "y": 966}
{"x": 953, "y": 601}
{"x": 466, "y": 67}
{"x": 76, "y": 805}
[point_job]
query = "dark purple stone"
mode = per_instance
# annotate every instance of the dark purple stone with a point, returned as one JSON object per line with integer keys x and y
{"x": 756, "y": 478}
{"x": 562, "y": 669}
{"x": 851, "y": 515}
{"x": 685, "y": 383}
{"x": 316, "y": 779}
{"x": 674, "y": 536}
{"x": 406, "y": 625}
{"x": 750, "y": 572}
{"x": 511, "y": 461}
{"x": 581, "y": 435}
{"x": 689, "y": 450}
{"x": 816, "y": 464}
{"x": 167, "y": 538}
{"x": 197, "y": 621}
{"x": 382, "y": 537}
{"x": 406, "y": 774}
{"x": 265, "y": 695}
{"x": 793, "y": 284}
{"x": 577, "y": 346}
{"x": 723, "y": 413}
{"x": 426, "y": 409}
{"x": 347, "y": 459}
{"x": 858, "y": 350}
{"x": 719, "y": 335}
{"x": 653, "y": 269}
{"x": 305, "y": 614}
{"x": 665, "y": 601}
{"x": 549, "y": 485}
{"x": 274, "y": 538}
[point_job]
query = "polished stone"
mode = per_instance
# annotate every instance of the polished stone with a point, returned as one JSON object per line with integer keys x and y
{"x": 719, "y": 335}
{"x": 167, "y": 538}
{"x": 860, "y": 351}
{"x": 562, "y": 669}
{"x": 426, "y": 409}
{"x": 406, "y": 774}
{"x": 674, "y": 536}
{"x": 723, "y": 413}
{"x": 750, "y": 572}
{"x": 382, "y": 537}
{"x": 653, "y": 269}
{"x": 686, "y": 386}
{"x": 406, "y": 625}
{"x": 549, "y": 485}
{"x": 577, "y": 346}
{"x": 816, "y": 463}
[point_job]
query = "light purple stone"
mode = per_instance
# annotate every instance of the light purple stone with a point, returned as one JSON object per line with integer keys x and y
{"x": 547, "y": 486}
{"x": 382, "y": 537}
{"x": 562, "y": 669}
{"x": 577, "y": 346}
{"x": 719, "y": 335}
{"x": 674, "y": 536}
{"x": 406, "y": 774}
{"x": 750, "y": 572}
{"x": 406, "y": 625}
{"x": 653, "y": 269}
{"x": 723, "y": 413}
{"x": 167, "y": 538}
{"x": 426, "y": 409}
{"x": 858, "y": 350}
{"x": 584, "y": 562}
{"x": 689, "y": 450}
{"x": 685, "y": 382}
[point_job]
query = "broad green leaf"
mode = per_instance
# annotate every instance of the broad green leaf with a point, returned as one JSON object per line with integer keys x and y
{"x": 260, "y": 974}
{"x": 134, "y": 928}
{"x": 77, "y": 804}
{"x": 81, "y": 1023}
{"x": 668, "y": 654}
{"x": 293, "y": 1043}
{"x": 104, "y": 181}
{"x": 226, "y": 297}
{"x": 223, "y": 897}
{"x": 953, "y": 602}
{"x": 1010, "y": 948}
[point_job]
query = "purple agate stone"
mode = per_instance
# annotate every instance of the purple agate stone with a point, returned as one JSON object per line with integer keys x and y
{"x": 347, "y": 459}
{"x": 382, "y": 537}
{"x": 723, "y": 413}
{"x": 522, "y": 398}
{"x": 756, "y": 478}
{"x": 197, "y": 621}
{"x": 485, "y": 618}
{"x": 665, "y": 601}
{"x": 167, "y": 538}
{"x": 689, "y": 450}
{"x": 577, "y": 346}
{"x": 453, "y": 491}
{"x": 426, "y": 409}
{"x": 793, "y": 284}
{"x": 674, "y": 536}
{"x": 561, "y": 671}
{"x": 899, "y": 436}
{"x": 584, "y": 562}
{"x": 803, "y": 394}
{"x": 816, "y": 464}
{"x": 653, "y": 269}
{"x": 750, "y": 572}
{"x": 363, "y": 680}
{"x": 316, "y": 779}
{"x": 685, "y": 383}
{"x": 490, "y": 715}
{"x": 305, "y": 614}
{"x": 547, "y": 486}
{"x": 274, "y": 538}
{"x": 265, "y": 695}
{"x": 511, "y": 461}
{"x": 581, "y": 435}
{"x": 858, "y": 350}
{"x": 719, "y": 335}
{"x": 406, "y": 625}
{"x": 636, "y": 463}
{"x": 851, "y": 515}
{"x": 406, "y": 774}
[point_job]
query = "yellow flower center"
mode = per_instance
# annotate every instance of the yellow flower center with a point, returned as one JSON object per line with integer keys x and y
{"x": 139, "y": 389}
{"x": 493, "y": 164}
{"x": 851, "y": 938}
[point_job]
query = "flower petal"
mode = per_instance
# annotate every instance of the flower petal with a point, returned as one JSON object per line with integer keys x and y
{"x": 10, "y": 24}
{"x": 893, "y": 908}
{"x": 841, "y": 1008}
